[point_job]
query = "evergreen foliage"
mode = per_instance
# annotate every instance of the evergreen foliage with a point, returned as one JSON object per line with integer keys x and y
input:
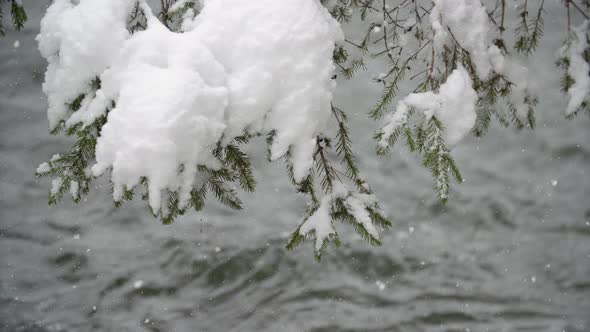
{"x": 564, "y": 62}
{"x": 529, "y": 30}
{"x": 328, "y": 175}
{"x": 17, "y": 14}
{"x": 334, "y": 161}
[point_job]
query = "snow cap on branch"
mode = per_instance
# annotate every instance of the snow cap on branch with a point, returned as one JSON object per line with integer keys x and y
{"x": 578, "y": 69}
{"x": 79, "y": 43}
{"x": 453, "y": 105}
{"x": 241, "y": 66}
{"x": 320, "y": 221}
{"x": 466, "y": 22}
{"x": 355, "y": 204}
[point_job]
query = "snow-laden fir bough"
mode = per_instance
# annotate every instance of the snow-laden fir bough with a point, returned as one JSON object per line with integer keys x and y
{"x": 165, "y": 100}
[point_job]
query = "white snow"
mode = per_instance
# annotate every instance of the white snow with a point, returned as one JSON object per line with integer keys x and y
{"x": 43, "y": 168}
{"x": 357, "y": 204}
{"x": 74, "y": 189}
{"x": 178, "y": 94}
{"x": 453, "y": 105}
{"x": 320, "y": 221}
{"x": 471, "y": 28}
{"x": 380, "y": 284}
{"x": 16, "y": 44}
{"x": 55, "y": 157}
{"x": 79, "y": 43}
{"x": 579, "y": 69}
{"x": 55, "y": 185}
{"x": 178, "y": 5}
{"x": 468, "y": 21}
{"x": 518, "y": 74}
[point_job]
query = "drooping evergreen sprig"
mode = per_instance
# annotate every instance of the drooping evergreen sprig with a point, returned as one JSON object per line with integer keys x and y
{"x": 345, "y": 153}
{"x": 528, "y": 30}
{"x": 564, "y": 63}
{"x": 398, "y": 73}
{"x": 17, "y": 14}
{"x": 438, "y": 159}
{"x": 330, "y": 176}
{"x": 71, "y": 169}
{"x": 427, "y": 140}
{"x": 341, "y": 211}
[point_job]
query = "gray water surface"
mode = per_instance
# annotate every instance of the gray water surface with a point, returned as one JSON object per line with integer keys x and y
{"x": 509, "y": 252}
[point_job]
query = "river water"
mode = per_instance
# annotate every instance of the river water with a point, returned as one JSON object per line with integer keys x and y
{"x": 509, "y": 252}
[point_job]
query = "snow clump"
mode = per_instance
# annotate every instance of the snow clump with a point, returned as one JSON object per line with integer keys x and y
{"x": 171, "y": 97}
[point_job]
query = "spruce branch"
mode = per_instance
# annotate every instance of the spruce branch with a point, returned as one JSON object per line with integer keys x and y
{"x": 438, "y": 160}
{"x": 342, "y": 206}
{"x": 528, "y": 32}
{"x": 224, "y": 194}
{"x": 483, "y": 120}
{"x": 240, "y": 163}
{"x": 341, "y": 212}
{"x": 17, "y": 13}
{"x": 324, "y": 166}
{"x": 344, "y": 150}
{"x": 335, "y": 165}
{"x": 391, "y": 87}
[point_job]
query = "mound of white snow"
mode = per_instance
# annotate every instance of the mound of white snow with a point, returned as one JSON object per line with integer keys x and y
{"x": 255, "y": 66}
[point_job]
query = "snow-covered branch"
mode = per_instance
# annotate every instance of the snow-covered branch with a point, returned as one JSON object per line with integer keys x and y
{"x": 164, "y": 100}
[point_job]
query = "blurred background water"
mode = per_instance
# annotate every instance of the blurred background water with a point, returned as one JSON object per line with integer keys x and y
{"x": 510, "y": 251}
